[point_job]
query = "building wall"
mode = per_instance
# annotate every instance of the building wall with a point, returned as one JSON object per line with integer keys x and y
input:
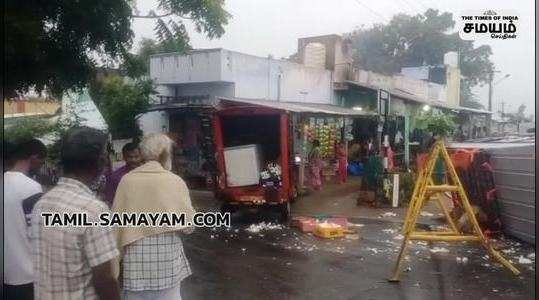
{"x": 337, "y": 59}
{"x": 266, "y": 78}
{"x": 30, "y": 107}
{"x": 328, "y": 41}
{"x": 232, "y": 74}
{"x": 453, "y": 86}
{"x": 210, "y": 89}
{"x": 153, "y": 122}
{"x": 199, "y": 66}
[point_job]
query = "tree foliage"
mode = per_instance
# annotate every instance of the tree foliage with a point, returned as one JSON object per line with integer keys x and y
{"x": 423, "y": 39}
{"x": 27, "y": 128}
{"x": 54, "y": 45}
{"x": 439, "y": 124}
{"x": 120, "y": 102}
{"x": 518, "y": 117}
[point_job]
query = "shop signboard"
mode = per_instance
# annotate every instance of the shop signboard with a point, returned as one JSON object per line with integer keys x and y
{"x": 384, "y": 99}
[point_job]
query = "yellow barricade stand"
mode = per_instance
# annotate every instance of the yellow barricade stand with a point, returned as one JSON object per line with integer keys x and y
{"x": 424, "y": 190}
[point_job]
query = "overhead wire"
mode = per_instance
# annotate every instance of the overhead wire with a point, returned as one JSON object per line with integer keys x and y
{"x": 372, "y": 11}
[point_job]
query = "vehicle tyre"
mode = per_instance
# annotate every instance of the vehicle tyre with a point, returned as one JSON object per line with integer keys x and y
{"x": 227, "y": 207}
{"x": 285, "y": 211}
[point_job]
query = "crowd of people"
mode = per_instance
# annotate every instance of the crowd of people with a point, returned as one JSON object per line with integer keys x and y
{"x": 76, "y": 262}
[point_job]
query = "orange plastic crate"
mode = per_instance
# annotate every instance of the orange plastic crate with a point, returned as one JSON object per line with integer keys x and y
{"x": 328, "y": 231}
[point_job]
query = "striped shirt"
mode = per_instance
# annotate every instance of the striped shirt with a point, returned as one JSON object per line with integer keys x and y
{"x": 64, "y": 256}
{"x": 155, "y": 262}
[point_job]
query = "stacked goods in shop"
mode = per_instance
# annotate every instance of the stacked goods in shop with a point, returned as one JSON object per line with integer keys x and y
{"x": 326, "y": 134}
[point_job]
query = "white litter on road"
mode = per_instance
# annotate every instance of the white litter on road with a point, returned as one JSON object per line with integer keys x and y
{"x": 398, "y": 237}
{"x": 388, "y": 214}
{"x": 374, "y": 250}
{"x": 531, "y": 255}
{"x": 355, "y": 225}
{"x": 426, "y": 214}
{"x": 524, "y": 261}
{"x": 508, "y": 251}
{"x": 439, "y": 250}
{"x": 256, "y": 228}
{"x": 391, "y": 231}
{"x": 463, "y": 260}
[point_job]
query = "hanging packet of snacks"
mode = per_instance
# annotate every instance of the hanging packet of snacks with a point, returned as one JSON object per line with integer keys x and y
{"x": 271, "y": 175}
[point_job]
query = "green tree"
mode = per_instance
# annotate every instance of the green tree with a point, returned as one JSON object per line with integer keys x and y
{"x": 518, "y": 117}
{"x": 27, "y": 128}
{"x": 53, "y": 45}
{"x": 418, "y": 40}
{"x": 120, "y": 101}
{"x": 438, "y": 124}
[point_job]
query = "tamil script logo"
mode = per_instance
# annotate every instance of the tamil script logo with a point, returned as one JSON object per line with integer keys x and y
{"x": 489, "y": 24}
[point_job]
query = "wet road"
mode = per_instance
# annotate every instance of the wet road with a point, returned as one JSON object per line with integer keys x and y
{"x": 287, "y": 264}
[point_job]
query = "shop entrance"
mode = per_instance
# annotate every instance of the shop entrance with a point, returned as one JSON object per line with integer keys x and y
{"x": 193, "y": 155}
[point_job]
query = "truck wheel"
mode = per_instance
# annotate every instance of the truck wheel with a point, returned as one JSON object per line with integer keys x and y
{"x": 226, "y": 207}
{"x": 285, "y": 211}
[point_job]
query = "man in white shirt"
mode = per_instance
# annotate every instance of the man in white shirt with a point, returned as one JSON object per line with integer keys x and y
{"x": 20, "y": 193}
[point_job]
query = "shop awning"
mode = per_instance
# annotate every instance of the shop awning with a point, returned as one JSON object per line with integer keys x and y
{"x": 300, "y": 107}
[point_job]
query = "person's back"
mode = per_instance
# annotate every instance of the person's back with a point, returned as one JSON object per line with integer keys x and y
{"x": 66, "y": 254}
{"x": 18, "y": 268}
{"x": 71, "y": 261}
{"x": 20, "y": 194}
{"x": 153, "y": 261}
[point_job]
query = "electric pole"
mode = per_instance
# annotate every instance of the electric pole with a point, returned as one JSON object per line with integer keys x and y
{"x": 503, "y": 117}
{"x": 489, "y": 117}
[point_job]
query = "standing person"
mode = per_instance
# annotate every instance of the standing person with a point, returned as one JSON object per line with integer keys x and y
{"x": 75, "y": 262}
{"x": 20, "y": 193}
{"x": 132, "y": 158}
{"x": 342, "y": 157}
{"x": 315, "y": 163}
{"x": 153, "y": 262}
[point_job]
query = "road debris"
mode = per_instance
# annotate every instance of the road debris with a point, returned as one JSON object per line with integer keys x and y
{"x": 390, "y": 231}
{"x": 524, "y": 261}
{"x": 256, "y": 228}
{"x": 388, "y": 214}
{"x": 352, "y": 236}
{"x": 439, "y": 250}
{"x": 426, "y": 214}
{"x": 374, "y": 250}
{"x": 463, "y": 260}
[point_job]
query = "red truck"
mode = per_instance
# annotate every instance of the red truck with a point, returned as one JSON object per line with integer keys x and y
{"x": 237, "y": 125}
